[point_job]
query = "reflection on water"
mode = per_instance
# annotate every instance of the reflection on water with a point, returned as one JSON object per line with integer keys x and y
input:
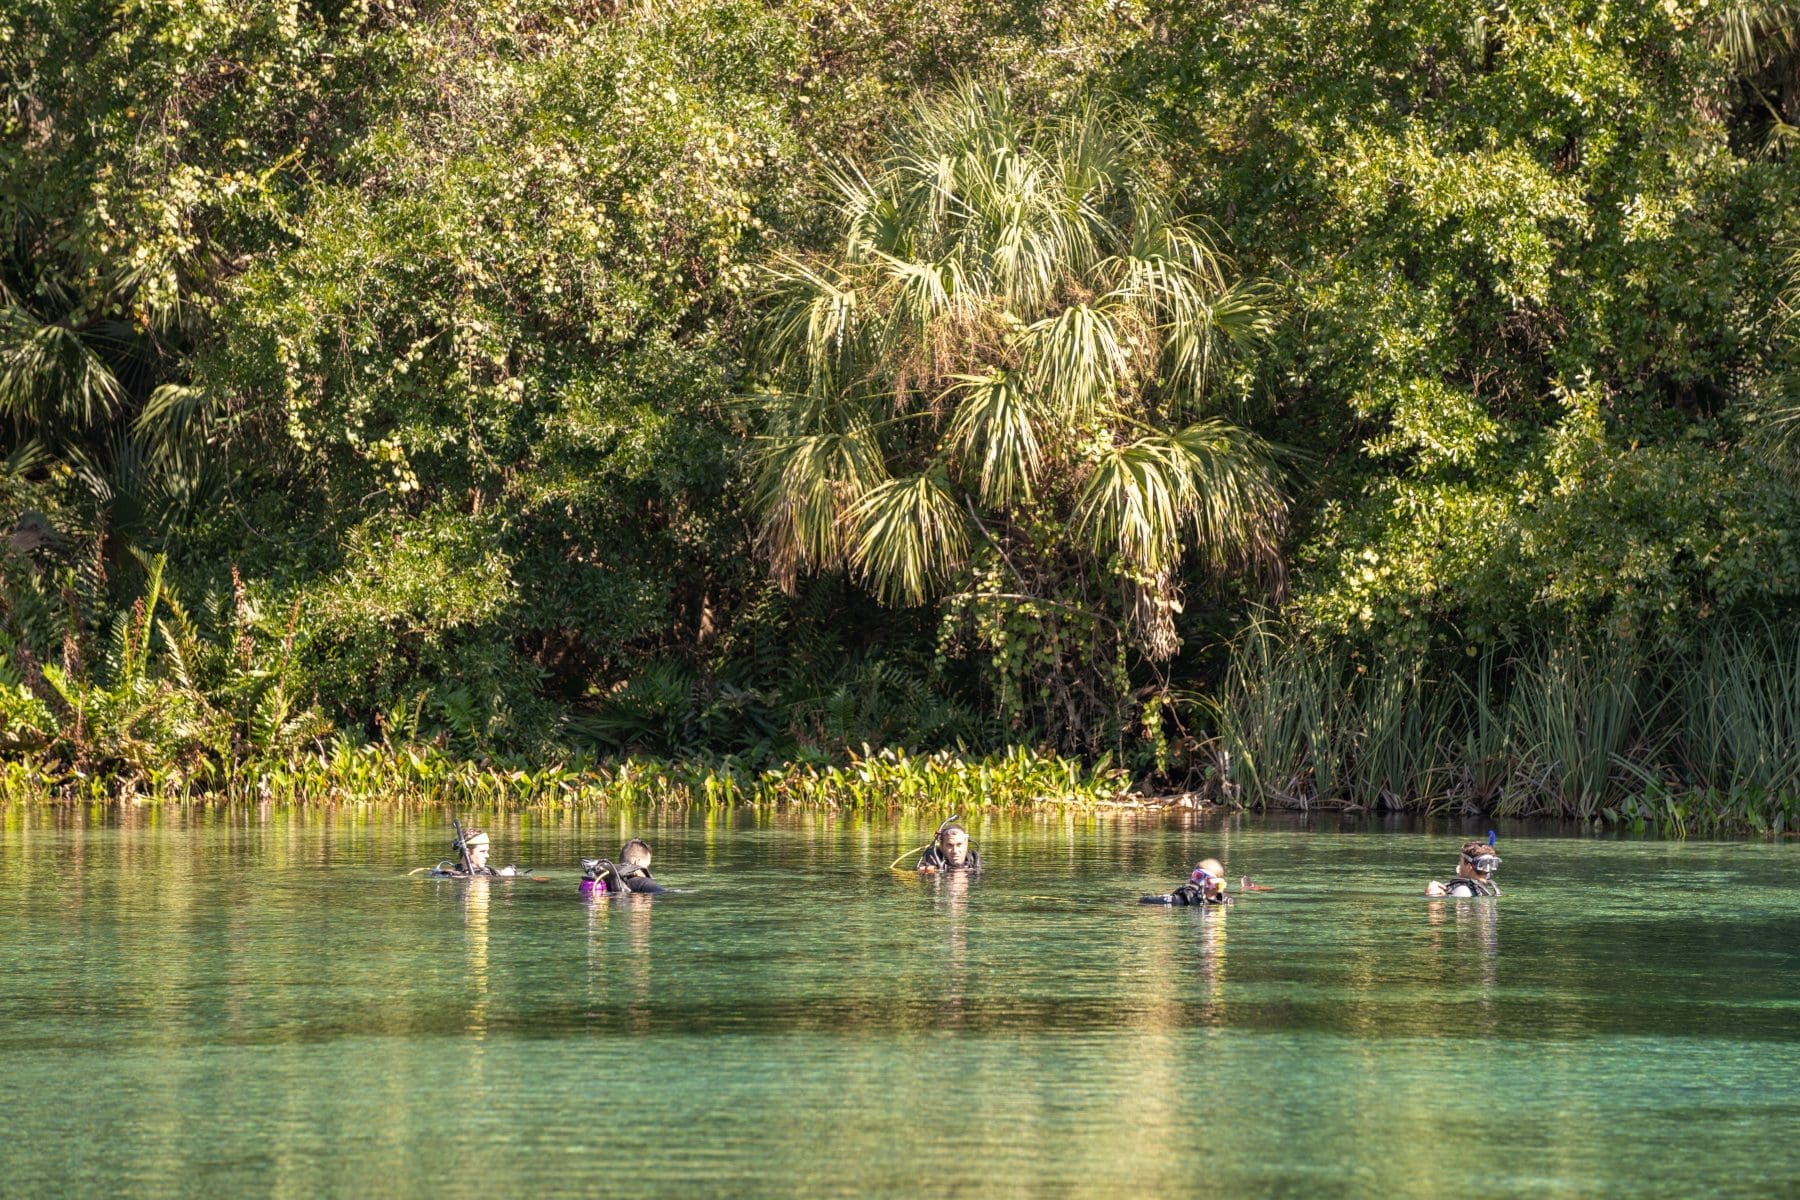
{"x": 475, "y": 922}
{"x": 263, "y": 1001}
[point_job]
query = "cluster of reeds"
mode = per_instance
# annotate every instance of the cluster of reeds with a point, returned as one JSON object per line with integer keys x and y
{"x": 1602, "y": 729}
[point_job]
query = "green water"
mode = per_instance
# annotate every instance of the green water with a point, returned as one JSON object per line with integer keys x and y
{"x": 235, "y": 1002}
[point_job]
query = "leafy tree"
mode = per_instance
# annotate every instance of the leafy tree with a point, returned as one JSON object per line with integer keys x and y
{"x": 997, "y": 390}
{"x": 146, "y": 148}
{"x": 1531, "y": 255}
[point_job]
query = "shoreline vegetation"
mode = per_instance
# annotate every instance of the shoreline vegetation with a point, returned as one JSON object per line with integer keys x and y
{"x": 1272, "y": 404}
{"x": 1601, "y": 732}
{"x": 1596, "y": 734}
{"x": 428, "y": 777}
{"x": 1023, "y": 780}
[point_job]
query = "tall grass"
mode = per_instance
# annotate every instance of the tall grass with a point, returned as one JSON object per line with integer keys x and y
{"x": 1573, "y": 710}
{"x": 1595, "y": 729}
{"x": 1277, "y": 717}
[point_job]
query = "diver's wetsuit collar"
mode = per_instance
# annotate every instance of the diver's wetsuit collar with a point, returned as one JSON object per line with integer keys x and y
{"x": 1190, "y": 893}
{"x": 934, "y": 859}
{"x": 614, "y": 878}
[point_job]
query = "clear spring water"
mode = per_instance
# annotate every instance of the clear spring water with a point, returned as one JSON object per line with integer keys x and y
{"x": 234, "y": 1002}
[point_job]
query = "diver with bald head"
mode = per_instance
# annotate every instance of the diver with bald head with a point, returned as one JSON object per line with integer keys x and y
{"x": 631, "y": 873}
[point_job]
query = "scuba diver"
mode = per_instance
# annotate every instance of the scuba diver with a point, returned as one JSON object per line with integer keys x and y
{"x": 631, "y": 873}
{"x": 950, "y": 852}
{"x": 1474, "y": 873}
{"x": 1206, "y": 885}
{"x": 471, "y": 848}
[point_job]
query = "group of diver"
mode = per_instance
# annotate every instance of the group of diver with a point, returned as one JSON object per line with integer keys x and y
{"x": 949, "y": 850}
{"x": 1206, "y": 884}
{"x": 1474, "y": 878}
{"x": 599, "y": 876}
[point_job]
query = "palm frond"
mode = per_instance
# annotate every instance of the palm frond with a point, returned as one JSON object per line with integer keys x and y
{"x": 1237, "y": 511}
{"x": 1134, "y": 503}
{"x": 807, "y": 486}
{"x": 170, "y": 412}
{"x": 25, "y": 458}
{"x": 911, "y": 534}
{"x": 1088, "y": 154}
{"x": 871, "y": 220}
{"x": 1212, "y": 477}
{"x": 1753, "y": 32}
{"x": 48, "y": 374}
{"x": 921, "y": 293}
{"x": 812, "y": 325}
{"x": 1077, "y": 360}
{"x": 994, "y": 430}
{"x": 1198, "y": 340}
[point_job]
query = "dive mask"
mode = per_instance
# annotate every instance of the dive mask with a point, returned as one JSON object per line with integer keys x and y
{"x": 1485, "y": 863}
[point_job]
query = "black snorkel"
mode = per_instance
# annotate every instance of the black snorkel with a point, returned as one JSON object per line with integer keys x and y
{"x": 461, "y": 846}
{"x": 600, "y": 869}
{"x": 943, "y": 825}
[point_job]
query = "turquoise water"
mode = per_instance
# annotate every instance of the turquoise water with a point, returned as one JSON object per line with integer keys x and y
{"x": 233, "y": 1002}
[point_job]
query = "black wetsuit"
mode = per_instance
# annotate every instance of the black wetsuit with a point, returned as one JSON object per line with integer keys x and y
{"x": 461, "y": 872}
{"x": 1469, "y": 889}
{"x": 625, "y": 879}
{"x": 637, "y": 879}
{"x": 1188, "y": 893}
{"x": 934, "y": 860}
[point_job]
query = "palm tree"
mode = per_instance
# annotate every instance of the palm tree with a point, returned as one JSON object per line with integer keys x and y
{"x": 1761, "y": 42}
{"x": 1779, "y": 439}
{"x": 1751, "y": 32}
{"x": 996, "y": 384}
{"x": 84, "y": 387}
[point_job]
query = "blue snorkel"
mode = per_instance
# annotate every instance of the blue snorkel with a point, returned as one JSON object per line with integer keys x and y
{"x": 1486, "y": 863}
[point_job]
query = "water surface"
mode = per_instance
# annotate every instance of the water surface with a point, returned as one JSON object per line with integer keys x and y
{"x": 234, "y": 1001}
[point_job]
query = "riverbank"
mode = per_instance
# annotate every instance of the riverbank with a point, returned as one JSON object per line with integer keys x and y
{"x": 1017, "y": 779}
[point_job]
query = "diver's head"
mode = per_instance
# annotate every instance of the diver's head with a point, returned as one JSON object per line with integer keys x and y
{"x": 474, "y": 846}
{"x": 1210, "y": 875}
{"x": 635, "y": 853}
{"x": 953, "y": 844}
{"x": 1478, "y": 860}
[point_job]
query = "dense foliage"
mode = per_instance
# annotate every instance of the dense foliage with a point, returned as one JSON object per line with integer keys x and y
{"x": 995, "y": 392}
{"x": 783, "y": 378}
